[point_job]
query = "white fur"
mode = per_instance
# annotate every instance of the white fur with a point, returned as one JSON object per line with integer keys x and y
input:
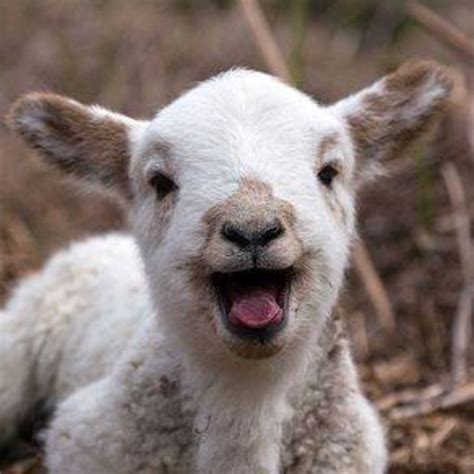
{"x": 142, "y": 381}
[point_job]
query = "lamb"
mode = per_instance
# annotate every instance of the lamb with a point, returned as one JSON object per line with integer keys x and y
{"x": 207, "y": 343}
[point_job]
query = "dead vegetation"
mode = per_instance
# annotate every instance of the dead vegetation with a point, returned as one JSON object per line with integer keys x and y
{"x": 416, "y": 224}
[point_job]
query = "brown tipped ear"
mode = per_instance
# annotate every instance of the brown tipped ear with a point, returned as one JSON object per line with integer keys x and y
{"x": 87, "y": 142}
{"x": 388, "y": 116}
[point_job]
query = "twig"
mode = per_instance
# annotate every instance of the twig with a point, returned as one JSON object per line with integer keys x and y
{"x": 462, "y": 324}
{"x": 359, "y": 335}
{"x": 443, "y": 432}
{"x": 442, "y": 29}
{"x": 277, "y": 65}
{"x": 374, "y": 286}
{"x": 409, "y": 397}
{"x": 470, "y": 111}
{"x": 425, "y": 402}
{"x": 264, "y": 39}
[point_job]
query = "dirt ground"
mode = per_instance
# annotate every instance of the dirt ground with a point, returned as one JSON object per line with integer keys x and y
{"x": 136, "y": 56}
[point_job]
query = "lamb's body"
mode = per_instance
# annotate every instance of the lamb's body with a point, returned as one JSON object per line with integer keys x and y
{"x": 222, "y": 354}
{"x": 85, "y": 328}
{"x": 73, "y": 320}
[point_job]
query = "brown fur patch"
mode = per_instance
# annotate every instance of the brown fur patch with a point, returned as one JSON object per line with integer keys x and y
{"x": 167, "y": 387}
{"x": 162, "y": 216}
{"x": 336, "y": 207}
{"x": 252, "y": 204}
{"x": 72, "y": 138}
{"x": 390, "y": 119}
{"x": 412, "y": 74}
{"x": 326, "y": 144}
{"x": 252, "y": 208}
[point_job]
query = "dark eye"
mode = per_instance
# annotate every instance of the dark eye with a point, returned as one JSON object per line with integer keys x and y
{"x": 162, "y": 185}
{"x": 327, "y": 174}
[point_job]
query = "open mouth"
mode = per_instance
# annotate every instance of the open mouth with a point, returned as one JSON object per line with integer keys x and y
{"x": 254, "y": 303}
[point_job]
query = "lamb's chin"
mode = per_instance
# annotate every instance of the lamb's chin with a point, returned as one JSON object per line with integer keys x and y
{"x": 251, "y": 349}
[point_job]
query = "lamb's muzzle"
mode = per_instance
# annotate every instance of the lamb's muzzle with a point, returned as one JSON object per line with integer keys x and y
{"x": 253, "y": 304}
{"x": 251, "y": 253}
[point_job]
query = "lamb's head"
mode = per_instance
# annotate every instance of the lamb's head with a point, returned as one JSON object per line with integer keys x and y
{"x": 241, "y": 194}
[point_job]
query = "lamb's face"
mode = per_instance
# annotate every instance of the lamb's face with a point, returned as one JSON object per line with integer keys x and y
{"x": 244, "y": 212}
{"x": 241, "y": 194}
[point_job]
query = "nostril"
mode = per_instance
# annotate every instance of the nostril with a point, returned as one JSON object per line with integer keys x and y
{"x": 271, "y": 232}
{"x": 256, "y": 238}
{"x": 236, "y": 235}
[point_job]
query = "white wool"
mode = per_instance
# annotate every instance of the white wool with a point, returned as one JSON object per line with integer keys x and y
{"x": 113, "y": 332}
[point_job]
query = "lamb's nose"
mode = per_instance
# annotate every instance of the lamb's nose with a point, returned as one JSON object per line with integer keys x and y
{"x": 245, "y": 238}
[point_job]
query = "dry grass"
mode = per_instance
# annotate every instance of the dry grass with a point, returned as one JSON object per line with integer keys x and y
{"x": 136, "y": 56}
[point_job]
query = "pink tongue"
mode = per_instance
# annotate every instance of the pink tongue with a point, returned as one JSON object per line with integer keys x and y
{"x": 256, "y": 309}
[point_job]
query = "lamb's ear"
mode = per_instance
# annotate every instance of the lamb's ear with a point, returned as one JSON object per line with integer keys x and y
{"x": 87, "y": 142}
{"x": 386, "y": 117}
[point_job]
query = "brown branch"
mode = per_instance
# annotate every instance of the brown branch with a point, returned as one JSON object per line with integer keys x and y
{"x": 462, "y": 326}
{"x": 408, "y": 397}
{"x": 374, "y": 286}
{"x": 277, "y": 65}
{"x": 442, "y": 29}
{"x": 264, "y": 39}
{"x": 360, "y": 338}
{"x": 429, "y": 400}
{"x": 444, "y": 432}
{"x": 470, "y": 112}
{"x": 462, "y": 220}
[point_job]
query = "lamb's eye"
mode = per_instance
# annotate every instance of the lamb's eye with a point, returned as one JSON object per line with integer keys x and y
{"x": 327, "y": 174}
{"x": 162, "y": 185}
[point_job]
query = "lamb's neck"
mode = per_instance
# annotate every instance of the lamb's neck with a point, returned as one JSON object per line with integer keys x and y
{"x": 217, "y": 378}
{"x": 242, "y": 407}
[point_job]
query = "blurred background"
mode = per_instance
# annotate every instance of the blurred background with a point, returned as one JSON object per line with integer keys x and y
{"x": 414, "y": 348}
